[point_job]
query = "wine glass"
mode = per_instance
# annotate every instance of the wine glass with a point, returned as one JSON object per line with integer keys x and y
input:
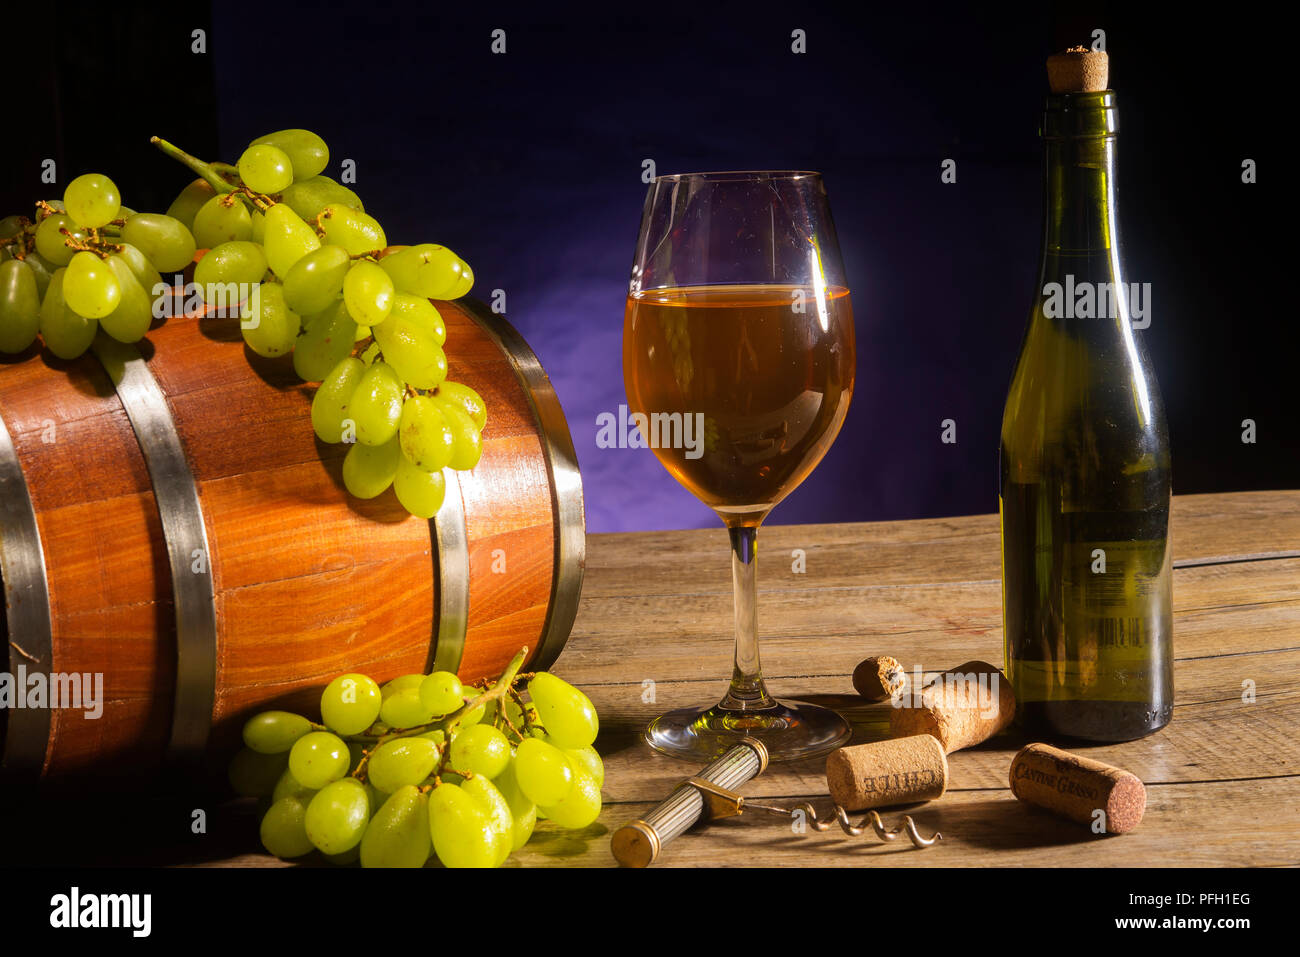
{"x": 738, "y": 362}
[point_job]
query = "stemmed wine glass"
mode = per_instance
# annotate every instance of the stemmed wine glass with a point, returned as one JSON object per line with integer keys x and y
{"x": 738, "y": 362}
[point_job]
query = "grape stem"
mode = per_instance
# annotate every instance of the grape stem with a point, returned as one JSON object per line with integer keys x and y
{"x": 204, "y": 170}
{"x": 451, "y": 724}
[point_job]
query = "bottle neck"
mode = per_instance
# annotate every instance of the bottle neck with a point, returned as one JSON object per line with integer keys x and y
{"x": 1080, "y": 199}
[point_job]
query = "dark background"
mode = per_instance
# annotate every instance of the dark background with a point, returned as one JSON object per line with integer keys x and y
{"x": 529, "y": 165}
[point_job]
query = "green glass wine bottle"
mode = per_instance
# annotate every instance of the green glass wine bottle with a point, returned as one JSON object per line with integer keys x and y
{"x": 1085, "y": 481}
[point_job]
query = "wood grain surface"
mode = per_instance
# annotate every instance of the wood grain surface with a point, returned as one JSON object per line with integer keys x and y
{"x": 308, "y": 581}
{"x": 1223, "y": 779}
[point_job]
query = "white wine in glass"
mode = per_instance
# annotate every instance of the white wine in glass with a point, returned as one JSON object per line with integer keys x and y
{"x": 739, "y": 323}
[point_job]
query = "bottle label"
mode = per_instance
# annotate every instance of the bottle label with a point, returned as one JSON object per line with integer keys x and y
{"x": 1113, "y": 622}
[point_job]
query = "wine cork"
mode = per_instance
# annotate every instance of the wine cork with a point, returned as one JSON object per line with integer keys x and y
{"x": 897, "y": 771}
{"x": 1078, "y": 70}
{"x": 1077, "y": 788}
{"x": 879, "y": 677}
{"x": 961, "y": 707}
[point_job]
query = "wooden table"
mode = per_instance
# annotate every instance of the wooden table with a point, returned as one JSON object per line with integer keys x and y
{"x": 1223, "y": 779}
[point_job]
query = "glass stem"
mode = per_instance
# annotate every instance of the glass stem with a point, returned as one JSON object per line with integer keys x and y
{"x": 747, "y": 692}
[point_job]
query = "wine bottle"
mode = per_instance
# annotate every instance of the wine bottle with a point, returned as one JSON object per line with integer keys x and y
{"x": 1085, "y": 486}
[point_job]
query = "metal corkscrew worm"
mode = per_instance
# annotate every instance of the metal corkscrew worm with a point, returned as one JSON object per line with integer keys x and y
{"x": 907, "y": 826}
{"x": 709, "y": 796}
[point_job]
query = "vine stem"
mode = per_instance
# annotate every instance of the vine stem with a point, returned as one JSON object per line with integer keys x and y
{"x": 204, "y": 170}
{"x": 497, "y": 692}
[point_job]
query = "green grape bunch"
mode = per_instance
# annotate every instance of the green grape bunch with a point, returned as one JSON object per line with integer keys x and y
{"x": 422, "y": 767}
{"x": 315, "y": 278}
{"x": 83, "y": 266}
{"x": 308, "y": 272}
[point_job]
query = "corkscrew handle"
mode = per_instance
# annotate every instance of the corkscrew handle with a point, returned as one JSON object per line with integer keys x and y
{"x": 640, "y": 842}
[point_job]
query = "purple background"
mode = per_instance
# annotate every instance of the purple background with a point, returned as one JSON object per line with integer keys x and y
{"x": 529, "y": 165}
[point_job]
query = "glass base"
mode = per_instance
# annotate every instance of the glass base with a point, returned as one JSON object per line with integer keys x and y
{"x": 789, "y": 731}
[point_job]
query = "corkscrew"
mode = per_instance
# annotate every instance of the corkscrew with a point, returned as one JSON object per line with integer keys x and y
{"x": 709, "y": 795}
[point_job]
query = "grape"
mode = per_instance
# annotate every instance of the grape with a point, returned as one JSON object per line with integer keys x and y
{"x": 587, "y": 759}
{"x": 42, "y": 269}
{"x": 337, "y": 816}
{"x": 362, "y": 332}
{"x": 350, "y": 703}
{"x": 11, "y": 226}
{"x": 403, "y": 709}
{"x": 20, "y": 306}
{"x": 289, "y": 786}
{"x": 315, "y": 281}
{"x": 286, "y": 239}
{"x": 348, "y": 857}
{"x": 352, "y": 229}
{"x": 368, "y": 291}
{"x": 481, "y": 749}
{"x": 568, "y": 714}
{"x": 130, "y": 320}
{"x": 421, "y": 314}
{"x": 64, "y": 332}
{"x": 141, "y": 268}
{"x": 426, "y": 438}
{"x": 307, "y": 152}
{"x": 272, "y": 732}
{"x": 166, "y": 242}
{"x": 309, "y": 197}
{"x": 92, "y": 200}
{"x": 398, "y": 834}
{"x": 317, "y": 758}
{"x": 522, "y": 810}
{"x": 234, "y": 264}
{"x": 284, "y": 829}
{"x": 330, "y": 405}
{"x": 580, "y": 807}
{"x": 441, "y": 693}
{"x": 52, "y": 244}
{"x": 368, "y": 470}
{"x": 402, "y": 683}
{"x": 265, "y": 169}
{"x": 467, "y": 446}
{"x": 402, "y": 762}
{"x": 421, "y": 493}
{"x": 543, "y": 772}
{"x": 189, "y": 201}
{"x": 255, "y": 775}
{"x": 426, "y": 270}
{"x": 465, "y": 283}
{"x": 469, "y": 401}
{"x": 412, "y": 352}
{"x": 377, "y": 405}
{"x": 269, "y": 326}
{"x": 326, "y": 341}
{"x": 90, "y": 287}
{"x": 460, "y": 826}
{"x": 223, "y": 219}
{"x": 259, "y": 225}
{"x": 500, "y": 822}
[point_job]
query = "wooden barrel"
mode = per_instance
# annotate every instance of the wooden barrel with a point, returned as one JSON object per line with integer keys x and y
{"x": 168, "y": 521}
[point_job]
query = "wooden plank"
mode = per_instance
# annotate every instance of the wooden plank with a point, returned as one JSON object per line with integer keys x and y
{"x": 1218, "y": 609}
{"x": 1205, "y": 740}
{"x": 1186, "y": 825}
{"x": 1224, "y": 527}
{"x": 1219, "y": 824}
